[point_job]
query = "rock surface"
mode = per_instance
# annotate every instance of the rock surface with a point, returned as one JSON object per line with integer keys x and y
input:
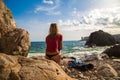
{"x": 100, "y": 38}
{"x": 37, "y": 68}
{"x": 117, "y": 37}
{"x": 13, "y": 40}
{"x": 7, "y": 22}
{"x": 113, "y": 51}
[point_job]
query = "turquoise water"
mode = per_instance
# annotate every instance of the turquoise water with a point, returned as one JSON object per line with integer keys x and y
{"x": 68, "y": 47}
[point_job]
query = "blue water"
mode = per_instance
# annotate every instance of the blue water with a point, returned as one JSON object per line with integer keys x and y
{"x": 68, "y": 46}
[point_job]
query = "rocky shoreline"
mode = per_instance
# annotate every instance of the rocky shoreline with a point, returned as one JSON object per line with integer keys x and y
{"x": 107, "y": 69}
{"x": 15, "y": 65}
{"x": 39, "y": 68}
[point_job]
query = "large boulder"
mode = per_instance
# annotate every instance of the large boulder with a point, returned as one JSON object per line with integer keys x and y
{"x": 37, "y": 68}
{"x": 117, "y": 37}
{"x": 13, "y": 40}
{"x": 113, "y": 51}
{"x": 100, "y": 38}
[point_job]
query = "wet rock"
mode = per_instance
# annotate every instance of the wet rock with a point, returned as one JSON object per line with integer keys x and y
{"x": 113, "y": 51}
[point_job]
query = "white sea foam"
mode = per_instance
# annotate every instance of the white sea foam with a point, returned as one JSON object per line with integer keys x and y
{"x": 81, "y": 53}
{"x": 35, "y": 54}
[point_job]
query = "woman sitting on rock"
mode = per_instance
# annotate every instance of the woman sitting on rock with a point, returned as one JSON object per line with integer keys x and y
{"x": 54, "y": 43}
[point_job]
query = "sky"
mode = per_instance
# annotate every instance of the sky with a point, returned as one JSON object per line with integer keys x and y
{"x": 75, "y": 18}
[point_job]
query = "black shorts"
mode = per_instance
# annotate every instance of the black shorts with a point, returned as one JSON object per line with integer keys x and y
{"x": 50, "y": 56}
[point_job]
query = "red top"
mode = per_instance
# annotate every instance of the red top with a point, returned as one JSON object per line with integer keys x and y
{"x": 52, "y": 43}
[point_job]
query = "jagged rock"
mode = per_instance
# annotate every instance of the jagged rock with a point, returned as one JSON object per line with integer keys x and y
{"x": 22, "y": 68}
{"x": 100, "y": 38}
{"x": 7, "y": 22}
{"x": 113, "y": 51}
{"x": 107, "y": 70}
{"x": 13, "y": 40}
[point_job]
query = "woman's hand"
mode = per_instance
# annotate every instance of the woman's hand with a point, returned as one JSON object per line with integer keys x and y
{"x": 60, "y": 52}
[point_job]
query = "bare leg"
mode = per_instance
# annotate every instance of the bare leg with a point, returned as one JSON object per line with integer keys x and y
{"x": 57, "y": 58}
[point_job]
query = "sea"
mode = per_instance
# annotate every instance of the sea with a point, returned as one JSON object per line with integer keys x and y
{"x": 70, "y": 48}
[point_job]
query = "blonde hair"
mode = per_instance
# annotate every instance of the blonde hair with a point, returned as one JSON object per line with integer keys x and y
{"x": 54, "y": 30}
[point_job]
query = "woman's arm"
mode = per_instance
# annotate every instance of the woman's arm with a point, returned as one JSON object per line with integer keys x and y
{"x": 60, "y": 47}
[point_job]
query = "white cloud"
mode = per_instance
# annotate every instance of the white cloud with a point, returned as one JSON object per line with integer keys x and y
{"x": 105, "y": 16}
{"x": 92, "y": 20}
{"x": 75, "y": 25}
{"x": 49, "y": 10}
{"x": 105, "y": 3}
{"x": 48, "y": 1}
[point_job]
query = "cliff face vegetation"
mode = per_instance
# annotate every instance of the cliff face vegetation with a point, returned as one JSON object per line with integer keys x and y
{"x": 13, "y": 40}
